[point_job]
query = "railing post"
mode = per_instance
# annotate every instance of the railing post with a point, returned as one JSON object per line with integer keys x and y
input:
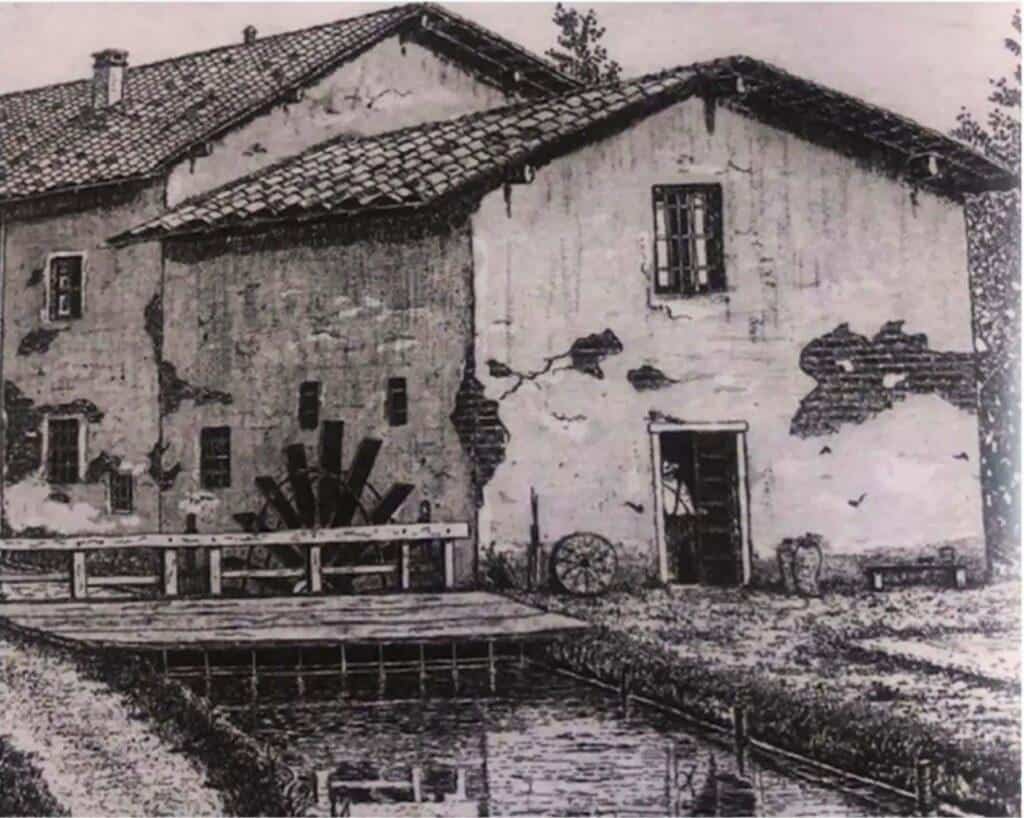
{"x": 404, "y": 566}
{"x": 170, "y": 572}
{"x": 215, "y": 572}
{"x": 314, "y": 573}
{"x": 449, "y": 564}
{"x": 79, "y": 580}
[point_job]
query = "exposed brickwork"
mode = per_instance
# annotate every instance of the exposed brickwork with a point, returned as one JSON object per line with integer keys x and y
{"x": 101, "y": 465}
{"x": 38, "y": 341}
{"x": 480, "y": 430}
{"x": 859, "y": 377}
{"x": 648, "y": 377}
{"x": 24, "y": 435}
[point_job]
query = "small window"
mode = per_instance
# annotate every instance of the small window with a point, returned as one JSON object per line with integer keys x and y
{"x": 397, "y": 402}
{"x": 65, "y": 288}
{"x": 62, "y": 450}
{"x": 688, "y": 256}
{"x": 309, "y": 405}
{"x": 122, "y": 493}
{"x": 215, "y": 457}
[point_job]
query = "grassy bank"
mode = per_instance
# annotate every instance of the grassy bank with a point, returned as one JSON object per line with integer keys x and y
{"x": 808, "y": 688}
{"x": 22, "y": 788}
{"x": 241, "y": 770}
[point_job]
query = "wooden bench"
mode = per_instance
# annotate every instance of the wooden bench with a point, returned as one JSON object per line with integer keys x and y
{"x": 948, "y": 574}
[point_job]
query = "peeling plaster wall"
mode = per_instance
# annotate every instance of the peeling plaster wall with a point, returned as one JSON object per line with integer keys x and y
{"x": 103, "y": 360}
{"x": 381, "y": 90}
{"x": 812, "y": 240}
{"x": 258, "y": 317}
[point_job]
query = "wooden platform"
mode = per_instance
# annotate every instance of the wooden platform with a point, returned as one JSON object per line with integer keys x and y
{"x": 292, "y": 621}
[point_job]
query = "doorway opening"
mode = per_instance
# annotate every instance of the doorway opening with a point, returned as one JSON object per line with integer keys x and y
{"x": 701, "y": 502}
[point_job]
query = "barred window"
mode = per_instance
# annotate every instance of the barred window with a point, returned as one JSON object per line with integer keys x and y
{"x": 397, "y": 402}
{"x": 215, "y": 457}
{"x": 309, "y": 405}
{"x": 122, "y": 493}
{"x": 65, "y": 288}
{"x": 62, "y": 450}
{"x": 688, "y": 257}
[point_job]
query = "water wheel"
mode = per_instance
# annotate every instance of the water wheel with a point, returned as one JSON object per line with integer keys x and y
{"x": 320, "y": 496}
{"x": 584, "y": 564}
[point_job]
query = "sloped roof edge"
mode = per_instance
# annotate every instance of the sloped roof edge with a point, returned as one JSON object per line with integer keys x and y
{"x": 420, "y": 166}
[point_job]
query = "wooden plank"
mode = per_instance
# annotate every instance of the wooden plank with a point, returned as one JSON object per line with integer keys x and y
{"x": 298, "y": 476}
{"x": 268, "y": 488}
{"x": 332, "y": 435}
{"x": 350, "y": 534}
{"x": 137, "y": 579}
{"x": 266, "y": 573}
{"x": 61, "y": 576}
{"x": 390, "y": 503}
{"x": 362, "y": 465}
{"x": 79, "y": 580}
{"x": 343, "y": 570}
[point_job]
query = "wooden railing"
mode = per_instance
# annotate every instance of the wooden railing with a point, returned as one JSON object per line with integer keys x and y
{"x": 311, "y": 541}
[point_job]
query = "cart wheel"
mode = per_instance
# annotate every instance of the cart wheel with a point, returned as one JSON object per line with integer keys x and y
{"x": 584, "y": 564}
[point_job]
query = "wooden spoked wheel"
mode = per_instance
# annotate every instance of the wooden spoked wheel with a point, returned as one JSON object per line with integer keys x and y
{"x": 584, "y": 564}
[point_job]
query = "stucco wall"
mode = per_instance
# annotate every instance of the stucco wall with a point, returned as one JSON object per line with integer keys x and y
{"x": 258, "y": 318}
{"x": 101, "y": 365}
{"x": 812, "y": 240}
{"x": 391, "y": 86}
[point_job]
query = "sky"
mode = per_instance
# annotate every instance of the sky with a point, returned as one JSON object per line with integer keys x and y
{"x": 924, "y": 60}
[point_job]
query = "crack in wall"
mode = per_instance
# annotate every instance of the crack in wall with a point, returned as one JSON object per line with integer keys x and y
{"x": 859, "y": 377}
{"x": 584, "y": 356}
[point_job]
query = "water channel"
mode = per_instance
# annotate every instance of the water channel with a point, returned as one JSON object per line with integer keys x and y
{"x": 528, "y": 742}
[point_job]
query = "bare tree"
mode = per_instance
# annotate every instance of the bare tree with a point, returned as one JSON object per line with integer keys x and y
{"x": 993, "y": 222}
{"x": 580, "y": 53}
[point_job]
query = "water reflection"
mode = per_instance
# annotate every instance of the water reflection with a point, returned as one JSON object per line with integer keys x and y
{"x": 538, "y": 743}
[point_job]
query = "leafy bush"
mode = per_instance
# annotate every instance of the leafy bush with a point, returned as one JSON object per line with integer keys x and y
{"x": 22, "y": 789}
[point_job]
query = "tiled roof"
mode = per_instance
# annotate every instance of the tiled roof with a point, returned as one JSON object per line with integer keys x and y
{"x": 416, "y": 167}
{"x": 52, "y": 139}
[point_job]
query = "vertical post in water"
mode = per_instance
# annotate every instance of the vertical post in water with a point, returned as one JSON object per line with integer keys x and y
{"x": 254, "y": 687}
{"x": 423, "y": 669}
{"x": 740, "y": 737}
{"x": 322, "y": 787}
{"x": 923, "y": 782}
{"x": 189, "y": 581}
{"x": 417, "y": 784}
{"x": 300, "y": 678}
{"x": 207, "y": 674}
{"x": 382, "y": 678}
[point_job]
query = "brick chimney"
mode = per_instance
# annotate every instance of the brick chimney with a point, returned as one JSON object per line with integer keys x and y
{"x": 249, "y": 34}
{"x": 108, "y": 77}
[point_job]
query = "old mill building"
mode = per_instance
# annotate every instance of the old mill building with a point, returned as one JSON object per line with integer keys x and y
{"x": 719, "y": 292}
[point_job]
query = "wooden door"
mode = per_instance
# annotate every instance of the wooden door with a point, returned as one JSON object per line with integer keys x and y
{"x": 704, "y": 546}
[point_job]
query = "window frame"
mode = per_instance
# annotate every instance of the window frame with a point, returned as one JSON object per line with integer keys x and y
{"x": 309, "y": 417}
{"x": 48, "y": 448}
{"x": 206, "y": 459}
{"x": 396, "y": 401}
{"x": 684, "y": 273}
{"x": 112, "y": 505}
{"x": 50, "y": 315}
